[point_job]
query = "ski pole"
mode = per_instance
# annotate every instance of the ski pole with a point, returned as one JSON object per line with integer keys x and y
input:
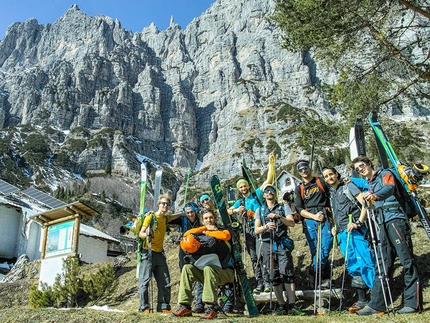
{"x": 378, "y": 255}
{"x": 244, "y": 240}
{"x": 385, "y": 271}
{"x": 315, "y": 274}
{"x": 320, "y": 312}
{"x": 244, "y": 229}
{"x": 317, "y": 271}
{"x": 387, "y": 279}
{"x": 345, "y": 263}
{"x": 272, "y": 268}
{"x": 149, "y": 238}
{"x": 331, "y": 269}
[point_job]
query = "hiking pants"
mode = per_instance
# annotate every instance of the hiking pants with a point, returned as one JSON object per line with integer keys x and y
{"x": 211, "y": 277}
{"x": 360, "y": 261}
{"x": 156, "y": 266}
{"x": 253, "y": 246}
{"x": 199, "y": 287}
{"x": 283, "y": 267}
{"x": 395, "y": 239}
{"x": 310, "y": 228}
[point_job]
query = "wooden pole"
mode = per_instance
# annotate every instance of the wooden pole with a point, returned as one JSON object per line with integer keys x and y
{"x": 76, "y": 229}
{"x": 67, "y": 218}
{"x": 301, "y": 294}
{"x": 44, "y": 242}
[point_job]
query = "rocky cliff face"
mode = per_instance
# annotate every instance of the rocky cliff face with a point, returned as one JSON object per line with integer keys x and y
{"x": 218, "y": 91}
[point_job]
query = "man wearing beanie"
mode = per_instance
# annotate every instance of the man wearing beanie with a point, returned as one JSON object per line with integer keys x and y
{"x": 246, "y": 207}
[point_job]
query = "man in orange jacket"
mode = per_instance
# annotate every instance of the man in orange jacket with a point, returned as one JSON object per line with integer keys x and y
{"x": 210, "y": 264}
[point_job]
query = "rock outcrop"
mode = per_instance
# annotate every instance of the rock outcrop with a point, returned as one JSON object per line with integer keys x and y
{"x": 217, "y": 91}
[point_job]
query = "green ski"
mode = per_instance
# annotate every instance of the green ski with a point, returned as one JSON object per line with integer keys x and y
{"x": 235, "y": 245}
{"x": 143, "y": 175}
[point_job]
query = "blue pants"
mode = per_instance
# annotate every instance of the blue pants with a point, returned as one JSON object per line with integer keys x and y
{"x": 360, "y": 260}
{"x": 310, "y": 228}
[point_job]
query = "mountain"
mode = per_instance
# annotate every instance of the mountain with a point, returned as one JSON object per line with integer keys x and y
{"x": 87, "y": 93}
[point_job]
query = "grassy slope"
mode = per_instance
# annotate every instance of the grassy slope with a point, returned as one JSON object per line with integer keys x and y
{"x": 14, "y": 296}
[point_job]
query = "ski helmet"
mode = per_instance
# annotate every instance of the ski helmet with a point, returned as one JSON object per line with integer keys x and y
{"x": 190, "y": 244}
{"x": 191, "y": 206}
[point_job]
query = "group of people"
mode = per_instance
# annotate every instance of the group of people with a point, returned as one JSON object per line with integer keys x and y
{"x": 347, "y": 211}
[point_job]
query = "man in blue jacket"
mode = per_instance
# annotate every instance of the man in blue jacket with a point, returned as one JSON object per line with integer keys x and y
{"x": 246, "y": 207}
{"x": 395, "y": 240}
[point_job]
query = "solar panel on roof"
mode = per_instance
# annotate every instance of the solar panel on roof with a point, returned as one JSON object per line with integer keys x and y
{"x": 44, "y": 198}
{"x": 6, "y": 188}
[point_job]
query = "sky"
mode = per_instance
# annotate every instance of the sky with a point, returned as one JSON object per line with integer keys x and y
{"x": 133, "y": 14}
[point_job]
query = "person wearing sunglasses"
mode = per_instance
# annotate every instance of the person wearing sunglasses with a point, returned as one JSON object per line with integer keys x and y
{"x": 394, "y": 238}
{"x": 154, "y": 263}
{"x": 311, "y": 199}
{"x": 244, "y": 209}
{"x": 272, "y": 221}
{"x": 207, "y": 203}
{"x": 347, "y": 199}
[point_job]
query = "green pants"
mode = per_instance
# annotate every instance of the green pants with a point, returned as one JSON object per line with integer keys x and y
{"x": 211, "y": 277}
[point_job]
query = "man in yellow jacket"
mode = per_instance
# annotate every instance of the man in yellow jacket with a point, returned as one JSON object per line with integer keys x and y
{"x": 153, "y": 258}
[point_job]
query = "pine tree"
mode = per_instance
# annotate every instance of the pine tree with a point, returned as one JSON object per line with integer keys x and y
{"x": 99, "y": 283}
{"x": 67, "y": 285}
{"x": 378, "y": 47}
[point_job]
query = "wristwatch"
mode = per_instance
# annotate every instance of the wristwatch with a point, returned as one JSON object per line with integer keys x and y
{"x": 358, "y": 223}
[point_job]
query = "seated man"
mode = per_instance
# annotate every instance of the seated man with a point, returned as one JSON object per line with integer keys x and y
{"x": 210, "y": 264}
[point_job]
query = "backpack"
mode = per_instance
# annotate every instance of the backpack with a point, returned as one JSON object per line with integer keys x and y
{"x": 207, "y": 245}
{"x": 402, "y": 196}
{"x": 349, "y": 195}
